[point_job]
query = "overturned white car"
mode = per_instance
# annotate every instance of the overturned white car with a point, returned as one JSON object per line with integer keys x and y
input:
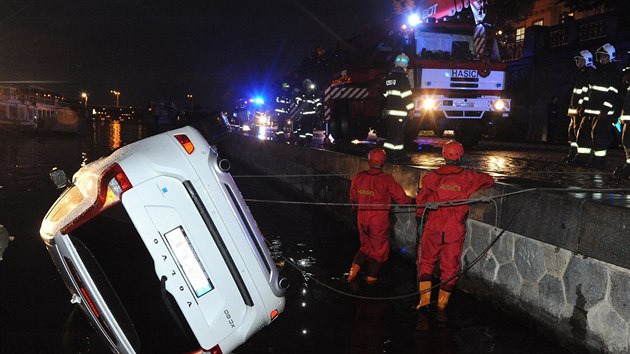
{"x": 158, "y": 248}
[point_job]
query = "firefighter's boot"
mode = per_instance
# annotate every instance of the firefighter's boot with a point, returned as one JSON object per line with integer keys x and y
{"x": 622, "y": 171}
{"x": 425, "y": 293}
{"x": 443, "y": 297}
{"x": 354, "y": 271}
{"x": 571, "y": 155}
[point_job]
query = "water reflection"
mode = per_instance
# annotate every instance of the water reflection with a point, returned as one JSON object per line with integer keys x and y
{"x": 114, "y": 135}
{"x": 497, "y": 163}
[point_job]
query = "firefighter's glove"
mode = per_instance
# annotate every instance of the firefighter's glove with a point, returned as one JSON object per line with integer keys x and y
{"x": 431, "y": 206}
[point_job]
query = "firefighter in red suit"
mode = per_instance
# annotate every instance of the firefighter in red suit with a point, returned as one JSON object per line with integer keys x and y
{"x": 373, "y": 186}
{"x": 445, "y": 228}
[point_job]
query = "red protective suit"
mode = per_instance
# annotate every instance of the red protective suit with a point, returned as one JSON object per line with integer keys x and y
{"x": 374, "y": 187}
{"x": 445, "y": 227}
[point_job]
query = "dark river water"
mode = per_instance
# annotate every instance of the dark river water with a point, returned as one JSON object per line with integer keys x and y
{"x": 36, "y": 315}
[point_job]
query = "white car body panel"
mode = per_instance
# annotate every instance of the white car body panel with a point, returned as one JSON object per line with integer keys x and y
{"x": 162, "y": 176}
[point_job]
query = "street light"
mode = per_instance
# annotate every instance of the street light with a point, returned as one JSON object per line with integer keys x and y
{"x": 117, "y": 94}
{"x": 84, "y": 96}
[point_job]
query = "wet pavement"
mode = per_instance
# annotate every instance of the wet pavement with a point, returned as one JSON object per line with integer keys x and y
{"x": 526, "y": 165}
{"x": 37, "y": 317}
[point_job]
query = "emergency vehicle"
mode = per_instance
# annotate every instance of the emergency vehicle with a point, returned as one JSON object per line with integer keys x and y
{"x": 158, "y": 248}
{"x": 457, "y": 79}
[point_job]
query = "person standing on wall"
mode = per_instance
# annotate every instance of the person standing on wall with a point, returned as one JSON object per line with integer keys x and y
{"x": 310, "y": 106}
{"x": 398, "y": 108}
{"x": 371, "y": 192}
{"x": 600, "y": 107}
{"x": 283, "y": 103}
{"x": 585, "y": 74}
{"x": 445, "y": 229}
{"x": 624, "y": 171}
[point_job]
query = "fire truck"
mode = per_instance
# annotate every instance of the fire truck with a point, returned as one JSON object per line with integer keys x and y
{"x": 457, "y": 79}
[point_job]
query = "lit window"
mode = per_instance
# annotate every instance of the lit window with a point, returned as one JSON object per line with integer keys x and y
{"x": 520, "y": 34}
{"x": 538, "y": 23}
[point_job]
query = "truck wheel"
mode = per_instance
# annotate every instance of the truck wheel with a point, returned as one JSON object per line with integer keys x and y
{"x": 468, "y": 133}
{"x": 339, "y": 121}
{"x": 336, "y": 128}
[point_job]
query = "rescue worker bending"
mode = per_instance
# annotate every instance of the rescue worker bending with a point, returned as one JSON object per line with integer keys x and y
{"x": 445, "y": 229}
{"x": 373, "y": 191}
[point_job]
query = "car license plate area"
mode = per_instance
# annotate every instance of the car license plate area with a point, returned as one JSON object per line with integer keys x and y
{"x": 464, "y": 104}
{"x": 188, "y": 261}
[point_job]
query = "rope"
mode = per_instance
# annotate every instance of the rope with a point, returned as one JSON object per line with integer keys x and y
{"x": 306, "y": 276}
{"x": 294, "y": 176}
{"x": 432, "y": 206}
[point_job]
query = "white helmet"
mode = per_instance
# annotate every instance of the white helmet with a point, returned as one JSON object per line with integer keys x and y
{"x": 587, "y": 56}
{"x": 402, "y": 60}
{"x": 607, "y": 49}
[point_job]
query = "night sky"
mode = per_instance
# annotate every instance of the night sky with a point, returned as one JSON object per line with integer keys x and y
{"x": 148, "y": 50}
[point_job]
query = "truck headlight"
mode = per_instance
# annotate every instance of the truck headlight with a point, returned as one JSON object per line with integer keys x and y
{"x": 429, "y": 104}
{"x": 499, "y": 105}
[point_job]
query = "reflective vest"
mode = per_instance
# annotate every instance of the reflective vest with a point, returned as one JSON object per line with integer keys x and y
{"x": 283, "y": 102}
{"x": 580, "y": 89}
{"x": 398, "y": 100}
{"x": 309, "y": 104}
{"x": 603, "y": 92}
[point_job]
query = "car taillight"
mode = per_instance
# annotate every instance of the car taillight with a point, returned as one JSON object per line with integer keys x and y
{"x": 185, "y": 142}
{"x": 112, "y": 183}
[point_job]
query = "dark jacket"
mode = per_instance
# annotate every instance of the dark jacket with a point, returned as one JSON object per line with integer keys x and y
{"x": 580, "y": 89}
{"x": 603, "y": 92}
{"x": 398, "y": 99}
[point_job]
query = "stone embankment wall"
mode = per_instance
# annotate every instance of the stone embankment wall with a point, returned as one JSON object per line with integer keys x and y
{"x": 563, "y": 261}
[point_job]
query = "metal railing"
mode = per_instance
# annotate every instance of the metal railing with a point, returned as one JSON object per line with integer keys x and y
{"x": 578, "y": 32}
